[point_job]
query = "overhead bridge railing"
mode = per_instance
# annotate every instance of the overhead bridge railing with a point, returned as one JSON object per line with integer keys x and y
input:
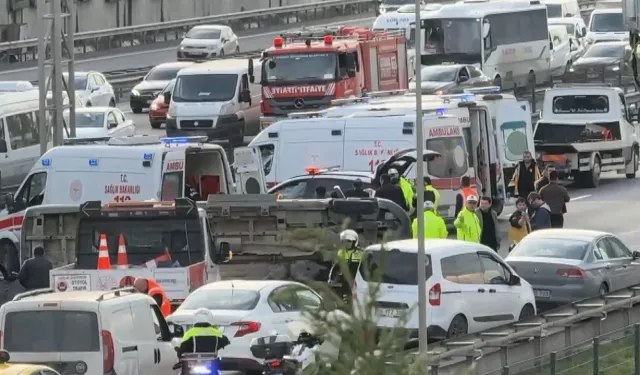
{"x": 574, "y": 337}
{"x": 130, "y": 36}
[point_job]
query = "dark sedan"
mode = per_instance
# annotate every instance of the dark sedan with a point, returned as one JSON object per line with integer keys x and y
{"x": 604, "y": 61}
{"x": 145, "y": 92}
{"x": 450, "y": 79}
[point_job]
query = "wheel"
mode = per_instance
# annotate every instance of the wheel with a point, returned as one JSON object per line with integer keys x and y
{"x": 497, "y": 81}
{"x": 9, "y": 256}
{"x": 604, "y": 289}
{"x": 112, "y": 103}
{"x": 221, "y": 52}
{"x": 593, "y": 176}
{"x": 88, "y": 104}
{"x": 238, "y": 49}
{"x": 526, "y": 312}
{"x": 458, "y": 327}
{"x": 136, "y": 110}
{"x": 634, "y": 160}
{"x": 155, "y": 124}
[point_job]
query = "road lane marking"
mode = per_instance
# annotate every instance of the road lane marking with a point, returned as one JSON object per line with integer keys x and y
{"x": 580, "y": 197}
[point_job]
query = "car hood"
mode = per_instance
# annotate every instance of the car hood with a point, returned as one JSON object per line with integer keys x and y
{"x": 186, "y": 42}
{"x": 151, "y": 85}
{"x": 591, "y": 61}
{"x": 82, "y": 133}
{"x": 429, "y": 87}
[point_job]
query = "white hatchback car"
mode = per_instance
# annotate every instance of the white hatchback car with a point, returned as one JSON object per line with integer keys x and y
{"x": 93, "y": 89}
{"x": 207, "y": 41}
{"x": 470, "y": 288}
{"x": 247, "y": 309}
{"x": 98, "y": 122}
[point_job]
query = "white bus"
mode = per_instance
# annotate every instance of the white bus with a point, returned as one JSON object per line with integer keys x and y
{"x": 403, "y": 19}
{"x": 508, "y": 40}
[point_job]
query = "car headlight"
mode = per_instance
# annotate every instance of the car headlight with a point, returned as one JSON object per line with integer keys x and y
{"x": 181, "y": 48}
{"x": 614, "y": 68}
{"x": 572, "y": 69}
{"x": 439, "y": 92}
{"x": 135, "y": 93}
{"x": 153, "y": 107}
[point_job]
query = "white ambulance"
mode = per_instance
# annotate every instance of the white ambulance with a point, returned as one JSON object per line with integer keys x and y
{"x": 123, "y": 169}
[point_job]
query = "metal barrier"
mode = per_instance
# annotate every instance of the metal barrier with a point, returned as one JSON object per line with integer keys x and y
{"x": 130, "y": 36}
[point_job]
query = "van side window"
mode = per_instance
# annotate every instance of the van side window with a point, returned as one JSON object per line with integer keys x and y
{"x": 32, "y": 192}
{"x": 172, "y": 186}
{"x": 462, "y": 269}
{"x": 267, "y": 153}
{"x": 162, "y": 329}
{"x": 23, "y": 130}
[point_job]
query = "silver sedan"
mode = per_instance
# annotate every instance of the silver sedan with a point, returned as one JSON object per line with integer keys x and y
{"x": 566, "y": 265}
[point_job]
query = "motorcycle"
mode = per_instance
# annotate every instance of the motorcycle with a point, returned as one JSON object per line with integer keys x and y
{"x": 285, "y": 357}
{"x": 199, "y": 364}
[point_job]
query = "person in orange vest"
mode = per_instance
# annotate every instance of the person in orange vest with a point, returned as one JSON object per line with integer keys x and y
{"x": 155, "y": 291}
{"x": 465, "y": 191}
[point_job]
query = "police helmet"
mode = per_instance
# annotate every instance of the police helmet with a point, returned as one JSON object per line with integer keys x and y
{"x": 428, "y": 205}
{"x": 204, "y": 315}
{"x": 350, "y": 236}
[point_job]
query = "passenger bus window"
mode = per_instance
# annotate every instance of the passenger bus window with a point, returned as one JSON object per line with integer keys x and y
{"x": 23, "y": 130}
{"x": 453, "y": 162}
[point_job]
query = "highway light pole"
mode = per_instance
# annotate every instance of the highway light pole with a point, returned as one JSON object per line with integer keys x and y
{"x": 52, "y": 42}
{"x": 422, "y": 258}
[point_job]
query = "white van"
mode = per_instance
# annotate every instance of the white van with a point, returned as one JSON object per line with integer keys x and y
{"x": 90, "y": 333}
{"x": 606, "y": 25}
{"x": 560, "y": 45}
{"x": 577, "y": 31}
{"x": 216, "y": 98}
{"x": 562, "y": 8}
{"x": 124, "y": 169}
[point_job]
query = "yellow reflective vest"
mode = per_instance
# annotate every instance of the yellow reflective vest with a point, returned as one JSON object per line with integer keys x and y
{"x": 468, "y": 226}
{"x": 407, "y": 191}
{"x": 349, "y": 256}
{"x": 436, "y": 193}
{"x": 201, "y": 331}
{"x": 434, "y": 226}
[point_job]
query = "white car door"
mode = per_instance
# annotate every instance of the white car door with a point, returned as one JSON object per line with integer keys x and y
{"x": 503, "y": 299}
{"x": 282, "y": 302}
{"x": 112, "y": 124}
{"x": 126, "y": 127}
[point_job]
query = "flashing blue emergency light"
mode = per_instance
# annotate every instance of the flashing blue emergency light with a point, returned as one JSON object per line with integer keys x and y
{"x": 175, "y": 140}
{"x": 467, "y": 97}
{"x": 46, "y": 162}
{"x": 93, "y": 162}
{"x": 148, "y": 156}
{"x": 201, "y": 370}
{"x": 441, "y": 111}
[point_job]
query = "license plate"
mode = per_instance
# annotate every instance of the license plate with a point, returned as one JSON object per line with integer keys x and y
{"x": 542, "y": 293}
{"x": 388, "y": 313}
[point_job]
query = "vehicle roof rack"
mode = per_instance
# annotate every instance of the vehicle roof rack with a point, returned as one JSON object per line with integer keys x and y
{"x": 32, "y": 293}
{"x": 585, "y": 84}
{"x": 84, "y": 141}
{"x": 115, "y": 293}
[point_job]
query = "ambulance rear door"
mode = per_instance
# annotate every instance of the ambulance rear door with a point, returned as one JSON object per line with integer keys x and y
{"x": 370, "y": 141}
{"x": 173, "y": 175}
{"x": 249, "y": 170}
{"x": 309, "y": 143}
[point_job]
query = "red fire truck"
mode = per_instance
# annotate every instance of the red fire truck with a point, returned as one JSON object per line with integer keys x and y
{"x": 303, "y": 71}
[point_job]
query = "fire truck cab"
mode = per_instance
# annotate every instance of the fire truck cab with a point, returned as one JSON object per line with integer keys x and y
{"x": 305, "y": 70}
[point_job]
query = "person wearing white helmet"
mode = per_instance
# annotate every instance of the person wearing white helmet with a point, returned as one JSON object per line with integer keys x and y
{"x": 434, "y": 225}
{"x": 351, "y": 255}
{"x": 204, "y": 336}
{"x": 467, "y": 223}
{"x": 405, "y": 185}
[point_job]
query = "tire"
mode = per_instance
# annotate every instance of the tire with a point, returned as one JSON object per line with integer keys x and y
{"x": 155, "y": 124}
{"x": 604, "y": 289}
{"x": 634, "y": 160}
{"x": 498, "y": 81}
{"x": 593, "y": 176}
{"x": 458, "y": 327}
{"x": 112, "y": 103}
{"x": 136, "y": 110}
{"x": 9, "y": 256}
{"x": 526, "y": 312}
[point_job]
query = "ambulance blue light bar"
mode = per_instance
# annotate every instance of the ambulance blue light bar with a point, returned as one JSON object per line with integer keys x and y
{"x": 183, "y": 140}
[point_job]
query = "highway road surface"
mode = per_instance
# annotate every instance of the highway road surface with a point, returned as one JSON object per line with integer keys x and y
{"x": 149, "y": 55}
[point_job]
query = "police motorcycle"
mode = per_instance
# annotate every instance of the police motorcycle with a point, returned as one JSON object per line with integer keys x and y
{"x": 285, "y": 357}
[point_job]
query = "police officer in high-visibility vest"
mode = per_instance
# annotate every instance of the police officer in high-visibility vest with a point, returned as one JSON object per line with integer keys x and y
{"x": 405, "y": 185}
{"x": 467, "y": 222}
{"x": 351, "y": 255}
{"x": 204, "y": 336}
{"x": 434, "y": 191}
{"x": 434, "y": 225}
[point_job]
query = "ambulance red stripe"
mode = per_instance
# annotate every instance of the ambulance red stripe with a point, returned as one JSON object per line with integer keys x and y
{"x": 11, "y": 222}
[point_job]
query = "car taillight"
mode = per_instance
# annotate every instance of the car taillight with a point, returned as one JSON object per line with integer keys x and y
{"x": 274, "y": 364}
{"x": 108, "y": 355}
{"x": 570, "y": 272}
{"x": 245, "y": 328}
{"x": 434, "y": 295}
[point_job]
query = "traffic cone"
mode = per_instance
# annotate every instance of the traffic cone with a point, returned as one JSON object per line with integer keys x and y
{"x": 103, "y": 254}
{"x": 123, "y": 262}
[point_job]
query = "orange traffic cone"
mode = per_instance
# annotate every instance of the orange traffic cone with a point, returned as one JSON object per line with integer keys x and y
{"x": 103, "y": 254}
{"x": 123, "y": 262}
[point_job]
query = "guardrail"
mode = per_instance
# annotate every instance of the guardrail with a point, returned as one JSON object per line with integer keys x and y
{"x": 536, "y": 345}
{"x": 130, "y": 36}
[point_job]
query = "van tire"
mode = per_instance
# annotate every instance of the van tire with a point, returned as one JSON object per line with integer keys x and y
{"x": 9, "y": 256}
{"x": 591, "y": 178}
{"x": 136, "y": 110}
{"x": 634, "y": 160}
{"x": 458, "y": 327}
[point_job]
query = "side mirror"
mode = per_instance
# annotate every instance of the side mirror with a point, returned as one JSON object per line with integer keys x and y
{"x": 514, "y": 280}
{"x": 112, "y": 125}
{"x": 3, "y": 146}
{"x": 245, "y": 96}
{"x": 250, "y": 68}
{"x": 94, "y": 89}
{"x": 486, "y": 27}
{"x": 167, "y": 97}
{"x": 584, "y": 31}
{"x": 175, "y": 330}
{"x": 636, "y": 255}
{"x": 9, "y": 200}
{"x": 224, "y": 253}
{"x": 551, "y": 46}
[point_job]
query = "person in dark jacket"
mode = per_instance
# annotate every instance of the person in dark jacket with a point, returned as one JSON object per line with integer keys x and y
{"x": 392, "y": 192}
{"x": 357, "y": 191}
{"x": 544, "y": 180}
{"x": 204, "y": 336}
{"x": 490, "y": 235}
{"x": 34, "y": 273}
{"x": 525, "y": 176}
{"x": 556, "y": 197}
{"x": 540, "y": 212}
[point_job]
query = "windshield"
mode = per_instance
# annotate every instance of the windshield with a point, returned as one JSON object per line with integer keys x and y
{"x": 605, "y": 51}
{"x": 205, "y": 88}
{"x": 301, "y": 67}
{"x": 199, "y": 33}
{"x": 90, "y": 120}
{"x": 450, "y": 36}
{"x": 392, "y": 267}
{"x": 439, "y": 73}
{"x": 562, "y": 248}
{"x": 607, "y": 22}
{"x": 170, "y": 241}
{"x": 80, "y": 81}
{"x": 51, "y": 331}
{"x": 554, "y": 10}
{"x": 169, "y": 86}
{"x": 162, "y": 74}
{"x": 571, "y": 104}
{"x": 221, "y": 299}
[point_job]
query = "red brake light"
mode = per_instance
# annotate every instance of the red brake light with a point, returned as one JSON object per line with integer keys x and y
{"x": 277, "y": 42}
{"x": 274, "y": 364}
{"x": 434, "y": 295}
{"x": 245, "y": 328}
{"x": 571, "y": 272}
{"x": 108, "y": 355}
{"x": 328, "y": 39}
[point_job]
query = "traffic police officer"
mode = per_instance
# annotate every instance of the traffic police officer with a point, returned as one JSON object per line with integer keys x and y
{"x": 204, "y": 336}
{"x": 434, "y": 226}
{"x": 351, "y": 254}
